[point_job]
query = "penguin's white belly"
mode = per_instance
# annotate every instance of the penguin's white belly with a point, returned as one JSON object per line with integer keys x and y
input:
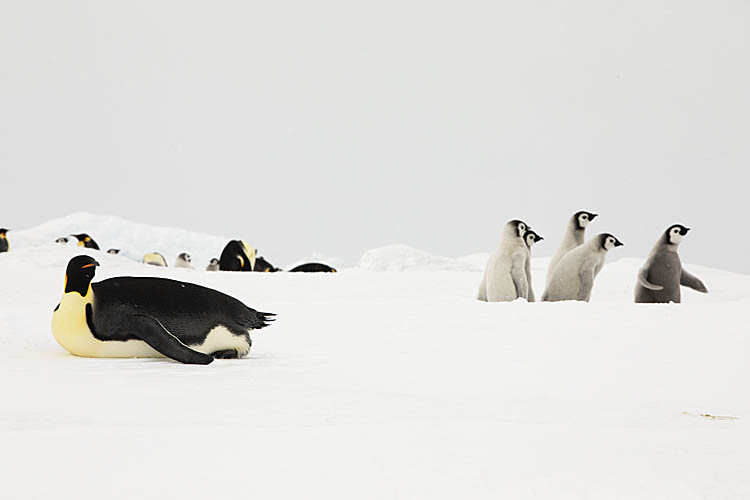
{"x": 499, "y": 286}
{"x": 70, "y": 330}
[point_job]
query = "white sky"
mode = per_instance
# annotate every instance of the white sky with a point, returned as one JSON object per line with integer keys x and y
{"x": 339, "y": 126}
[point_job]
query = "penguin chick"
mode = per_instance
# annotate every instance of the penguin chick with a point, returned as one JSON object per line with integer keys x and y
{"x": 574, "y": 236}
{"x": 184, "y": 260}
{"x": 660, "y": 277}
{"x": 504, "y": 276}
{"x": 574, "y": 276}
{"x": 531, "y": 238}
{"x": 213, "y": 265}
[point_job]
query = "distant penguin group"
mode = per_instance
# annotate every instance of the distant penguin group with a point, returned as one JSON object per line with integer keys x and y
{"x": 575, "y": 265}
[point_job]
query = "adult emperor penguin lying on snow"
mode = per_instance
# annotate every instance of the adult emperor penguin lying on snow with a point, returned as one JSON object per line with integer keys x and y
{"x": 129, "y": 317}
{"x": 573, "y": 278}
{"x": 660, "y": 278}
{"x": 505, "y": 277}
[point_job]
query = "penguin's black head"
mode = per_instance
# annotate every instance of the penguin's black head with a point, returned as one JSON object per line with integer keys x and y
{"x": 583, "y": 218}
{"x": 113, "y": 251}
{"x": 520, "y": 226}
{"x": 79, "y": 274}
{"x": 532, "y": 237}
{"x": 675, "y": 233}
{"x": 608, "y": 241}
{"x": 82, "y": 238}
{"x": 3, "y": 231}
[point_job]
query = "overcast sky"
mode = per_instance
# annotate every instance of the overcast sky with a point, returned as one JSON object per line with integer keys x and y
{"x": 338, "y": 126}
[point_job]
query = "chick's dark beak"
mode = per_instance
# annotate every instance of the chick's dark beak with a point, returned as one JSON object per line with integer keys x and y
{"x": 619, "y": 243}
{"x": 684, "y": 231}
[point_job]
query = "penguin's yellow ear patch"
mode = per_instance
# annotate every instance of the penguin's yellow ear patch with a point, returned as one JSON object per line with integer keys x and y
{"x": 80, "y": 243}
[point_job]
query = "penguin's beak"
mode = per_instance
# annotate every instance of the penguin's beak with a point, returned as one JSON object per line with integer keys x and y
{"x": 539, "y": 238}
{"x": 684, "y": 231}
{"x": 593, "y": 216}
{"x": 619, "y": 243}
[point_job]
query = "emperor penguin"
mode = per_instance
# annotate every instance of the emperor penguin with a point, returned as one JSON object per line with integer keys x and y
{"x": 504, "y": 276}
{"x": 660, "y": 278}
{"x": 4, "y": 243}
{"x": 213, "y": 265}
{"x": 531, "y": 238}
{"x": 237, "y": 256}
{"x": 84, "y": 240}
{"x": 574, "y": 276}
{"x": 263, "y": 266}
{"x": 184, "y": 260}
{"x": 313, "y": 267}
{"x": 128, "y": 317}
{"x": 155, "y": 259}
{"x": 575, "y": 234}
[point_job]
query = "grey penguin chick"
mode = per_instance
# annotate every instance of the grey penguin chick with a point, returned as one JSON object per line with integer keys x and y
{"x": 531, "y": 238}
{"x": 660, "y": 277}
{"x": 504, "y": 278}
{"x": 184, "y": 260}
{"x": 213, "y": 265}
{"x": 573, "y": 278}
{"x": 574, "y": 236}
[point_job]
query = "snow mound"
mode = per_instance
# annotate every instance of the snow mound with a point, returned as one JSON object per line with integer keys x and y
{"x": 406, "y": 258}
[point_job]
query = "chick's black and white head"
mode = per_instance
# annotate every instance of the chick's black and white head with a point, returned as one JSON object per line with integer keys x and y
{"x": 113, "y": 251}
{"x": 583, "y": 218}
{"x": 62, "y": 240}
{"x": 214, "y": 261}
{"x": 532, "y": 237}
{"x": 78, "y": 275}
{"x": 675, "y": 233}
{"x": 519, "y": 226}
{"x": 608, "y": 241}
{"x": 185, "y": 256}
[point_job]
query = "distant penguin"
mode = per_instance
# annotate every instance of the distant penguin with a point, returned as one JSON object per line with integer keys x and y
{"x": 574, "y": 276}
{"x": 504, "y": 276}
{"x": 84, "y": 240}
{"x": 155, "y": 259}
{"x": 213, "y": 265}
{"x": 113, "y": 251}
{"x": 62, "y": 240}
{"x": 660, "y": 278}
{"x": 531, "y": 238}
{"x": 237, "y": 256}
{"x": 263, "y": 266}
{"x": 313, "y": 267}
{"x": 184, "y": 260}
{"x": 4, "y": 243}
{"x": 575, "y": 234}
{"x": 128, "y": 317}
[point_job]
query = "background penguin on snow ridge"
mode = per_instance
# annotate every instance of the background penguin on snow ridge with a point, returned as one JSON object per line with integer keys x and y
{"x": 4, "y": 243}
{"x": 84, "y": 240}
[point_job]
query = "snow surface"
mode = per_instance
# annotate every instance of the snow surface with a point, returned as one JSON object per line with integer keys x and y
{"x": 383, "y": 384}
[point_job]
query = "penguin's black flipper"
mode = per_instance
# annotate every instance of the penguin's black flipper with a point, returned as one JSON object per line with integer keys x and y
{"x": 152, "y": 332}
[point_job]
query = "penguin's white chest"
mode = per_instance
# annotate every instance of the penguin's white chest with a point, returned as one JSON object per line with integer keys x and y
{"x": 70, "y": 330}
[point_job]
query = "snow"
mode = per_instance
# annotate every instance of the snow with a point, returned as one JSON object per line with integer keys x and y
{"x": 383, "y": 384}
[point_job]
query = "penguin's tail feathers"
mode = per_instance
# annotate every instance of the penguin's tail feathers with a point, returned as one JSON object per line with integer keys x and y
{"x": 261, "y": 319}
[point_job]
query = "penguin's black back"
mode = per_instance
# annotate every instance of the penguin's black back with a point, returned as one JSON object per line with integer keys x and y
{"x": 263, "y": 266}
{"x": 186, "y": 310}
{"x": 313, "y": 267}
{"x": 3, "y": 245}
